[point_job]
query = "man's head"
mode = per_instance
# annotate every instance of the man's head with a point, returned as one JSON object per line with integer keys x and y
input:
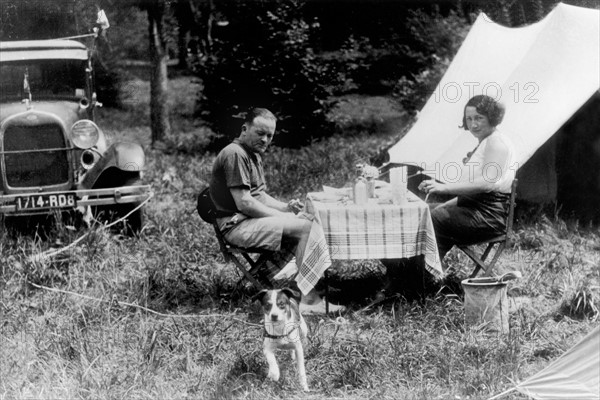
{"x": 258, "y": 129}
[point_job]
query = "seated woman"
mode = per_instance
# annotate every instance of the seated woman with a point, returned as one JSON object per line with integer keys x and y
{"x": 480, "y": 209}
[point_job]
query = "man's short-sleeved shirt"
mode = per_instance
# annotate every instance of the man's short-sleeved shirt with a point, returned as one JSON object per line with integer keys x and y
{"x": 235, "y": 167}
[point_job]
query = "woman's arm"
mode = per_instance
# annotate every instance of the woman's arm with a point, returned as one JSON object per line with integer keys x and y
{"x": 495, "y": 166}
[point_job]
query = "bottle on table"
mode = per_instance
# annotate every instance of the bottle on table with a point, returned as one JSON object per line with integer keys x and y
{"x": 360, "y": 191}
{"x": 370, "y": 188}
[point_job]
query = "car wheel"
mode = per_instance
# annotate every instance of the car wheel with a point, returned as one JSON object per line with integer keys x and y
{"x": 131, "y": 226}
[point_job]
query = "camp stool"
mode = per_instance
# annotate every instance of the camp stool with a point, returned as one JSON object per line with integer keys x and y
{"x": 256, "y": 268}
{"x": 502, "y": 241}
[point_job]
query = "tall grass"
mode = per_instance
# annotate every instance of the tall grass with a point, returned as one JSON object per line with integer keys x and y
{"x": 94, "y": 340}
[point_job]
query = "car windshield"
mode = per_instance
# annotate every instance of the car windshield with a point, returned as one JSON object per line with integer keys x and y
{"x": 47, "y": 79}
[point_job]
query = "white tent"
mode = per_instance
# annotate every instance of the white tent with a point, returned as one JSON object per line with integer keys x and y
{"x": 543, "y": 73}
{"x": 575, "y": 375}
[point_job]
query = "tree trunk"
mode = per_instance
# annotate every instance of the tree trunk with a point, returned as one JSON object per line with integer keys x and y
{"x": 182, "y": 45}
{"x": 184, "y": 14}
{"x": 209, "y": 26}
{"x": 159, "y": 109}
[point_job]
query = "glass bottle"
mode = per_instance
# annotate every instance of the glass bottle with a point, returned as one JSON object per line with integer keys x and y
{"x": 370, "y": 188}
{"x": 360, "y": 191}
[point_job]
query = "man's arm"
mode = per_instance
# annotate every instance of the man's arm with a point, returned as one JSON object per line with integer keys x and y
{"x": 248, "y": 205}
{"x": 294, "y": 206}
{"x": 270, "y": 201}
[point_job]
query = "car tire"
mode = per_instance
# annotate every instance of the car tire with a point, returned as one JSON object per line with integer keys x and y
{"x": 131, "y": 226}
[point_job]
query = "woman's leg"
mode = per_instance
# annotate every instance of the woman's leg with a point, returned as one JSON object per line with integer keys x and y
{"x": 456, "y": 225}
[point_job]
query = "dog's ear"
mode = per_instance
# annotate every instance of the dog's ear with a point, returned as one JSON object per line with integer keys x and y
{"x": 260, "y": 295}
{"x": 294, "y": 294}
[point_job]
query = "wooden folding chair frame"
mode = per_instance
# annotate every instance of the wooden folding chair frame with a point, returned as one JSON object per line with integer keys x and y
{"x": 502, "y": 241}
{"x": 253, "y": 267}
{"x": 229, "y": 253}
{"x": 208, "y": 213}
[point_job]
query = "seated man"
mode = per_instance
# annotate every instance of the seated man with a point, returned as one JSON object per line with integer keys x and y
{"x": 250, "y": 216}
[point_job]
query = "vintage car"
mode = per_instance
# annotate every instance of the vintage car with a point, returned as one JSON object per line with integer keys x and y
{"x": 53, "y": 156}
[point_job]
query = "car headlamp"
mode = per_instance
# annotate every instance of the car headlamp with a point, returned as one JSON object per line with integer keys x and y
{"x": 84, "y": 134}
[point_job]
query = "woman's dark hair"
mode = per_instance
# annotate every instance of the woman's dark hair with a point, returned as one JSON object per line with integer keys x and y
{"x": 485, "y": 105}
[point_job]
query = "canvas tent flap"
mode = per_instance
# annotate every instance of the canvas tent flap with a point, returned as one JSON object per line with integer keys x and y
{"x": 488, "y": 55}
{"x": 543, "y": 73}
{"x": 575, "y": 375}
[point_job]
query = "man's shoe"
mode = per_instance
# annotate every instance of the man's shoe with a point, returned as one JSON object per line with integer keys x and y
{"x": 288, "y": 271}
{"x": 319, "y": 308}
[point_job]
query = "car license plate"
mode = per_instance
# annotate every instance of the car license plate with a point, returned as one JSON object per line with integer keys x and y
{"x": 46, "y": 201}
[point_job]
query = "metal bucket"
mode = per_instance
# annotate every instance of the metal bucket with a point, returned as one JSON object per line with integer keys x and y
{"x": 486, "y": 304}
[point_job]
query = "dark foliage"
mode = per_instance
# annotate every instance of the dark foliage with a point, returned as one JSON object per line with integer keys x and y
{"x": 437, "y": 39}
{"x": 31, "y": 19}
{"x": 34, "y": 20}
{"x": 516, "y": 13}
{"x": 365, "y": 68}
{"x": 265, "y": 58}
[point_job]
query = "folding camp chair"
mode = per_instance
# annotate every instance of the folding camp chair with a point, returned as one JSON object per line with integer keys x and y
{"x": 502, "y": 241}
{"x": 254, "y": 269}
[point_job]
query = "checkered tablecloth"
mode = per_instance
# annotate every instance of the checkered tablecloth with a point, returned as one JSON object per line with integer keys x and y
{"x": 378, "y": 231}
{"x": 314, "y": 259}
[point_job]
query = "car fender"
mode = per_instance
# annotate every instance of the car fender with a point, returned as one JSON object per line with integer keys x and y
{"x": 125, "y": 156}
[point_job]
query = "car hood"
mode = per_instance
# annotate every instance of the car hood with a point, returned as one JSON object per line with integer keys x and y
{"x": 67, "y": 111}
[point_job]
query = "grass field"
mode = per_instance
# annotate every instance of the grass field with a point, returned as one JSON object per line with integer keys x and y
{"x": 162, "y": 317}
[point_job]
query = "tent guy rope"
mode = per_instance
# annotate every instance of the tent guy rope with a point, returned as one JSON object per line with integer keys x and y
{"x": 125, "y": 304}
{"x": 51, "y": 253}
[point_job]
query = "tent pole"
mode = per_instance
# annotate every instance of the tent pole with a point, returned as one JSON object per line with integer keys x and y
{"x": 501, "y": 394}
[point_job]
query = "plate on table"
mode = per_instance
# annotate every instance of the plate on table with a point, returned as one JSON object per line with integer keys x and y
{"x": 326, "y": 197}
{"x": 380, "y": 184}
{"x": 345, "y": 191}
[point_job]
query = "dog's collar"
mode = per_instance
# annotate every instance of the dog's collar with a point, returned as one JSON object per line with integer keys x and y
{"x": 268, "y": 335}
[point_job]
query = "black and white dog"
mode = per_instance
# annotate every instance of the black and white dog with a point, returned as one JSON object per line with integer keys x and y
{"x": 284, "y": 329}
